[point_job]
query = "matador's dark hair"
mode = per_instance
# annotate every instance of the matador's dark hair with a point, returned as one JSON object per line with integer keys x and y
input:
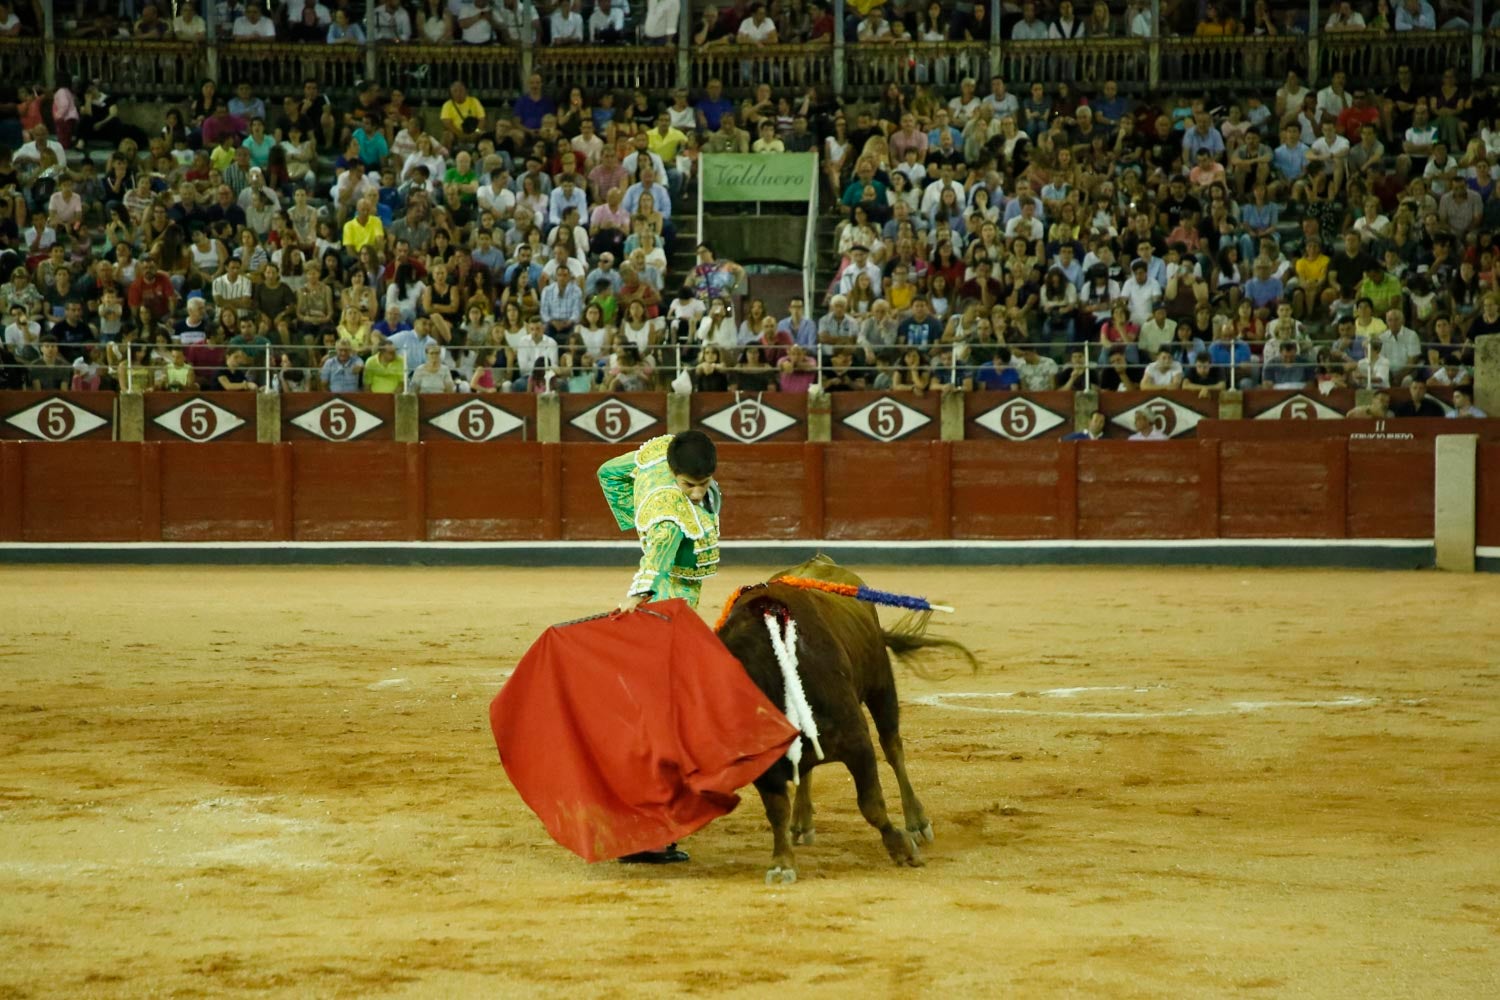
{"x": 692, "y": 454}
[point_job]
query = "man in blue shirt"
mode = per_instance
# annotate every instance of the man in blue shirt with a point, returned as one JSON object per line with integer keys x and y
{"x": 567, "y": 195}
{"x": 648, "y": 183}
{"x": 712, "y": 107}
{"x": 997, "y": 373}
{"x": 1202, "y": 135}
{"x": 1289, "y": 160}
{"x": 1095, "y": 431}
{"x": 533, "y": 105}
{"x": 921, "y": 327}
{"x": 561, "y": 305}
{"x": 523, "y": 260}
{"x": 1264, "y": 291}
{"x": 798, "y": 325}
{"x": 412, "y": 346}
{"x": 341, "y": 370}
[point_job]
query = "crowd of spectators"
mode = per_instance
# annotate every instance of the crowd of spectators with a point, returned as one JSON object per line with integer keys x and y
{"x": 991, "y": 234}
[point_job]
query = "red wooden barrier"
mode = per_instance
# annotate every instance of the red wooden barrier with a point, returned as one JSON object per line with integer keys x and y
{"x": 225, "y": 492}
{"x": 385, "y": 491}
{"x": 1394, "y": 428}
{"x": 1004, "y": 490}
{"x": 1144, "y": 489}
{"x": 486, "y": 492}
{"x": 1294, "y": 489}
{"x": 1390, "y": 489}
{"x": 1487, "y": 502}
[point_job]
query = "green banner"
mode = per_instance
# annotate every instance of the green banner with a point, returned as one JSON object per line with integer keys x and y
{"x": 758, "y": 176}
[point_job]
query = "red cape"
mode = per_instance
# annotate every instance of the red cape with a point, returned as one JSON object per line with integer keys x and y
{"x": 628, "y": 732}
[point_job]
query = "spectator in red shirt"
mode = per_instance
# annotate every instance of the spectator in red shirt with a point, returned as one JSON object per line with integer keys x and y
{"x": 151, "y": 289}
{"x": 1357, "y": 115}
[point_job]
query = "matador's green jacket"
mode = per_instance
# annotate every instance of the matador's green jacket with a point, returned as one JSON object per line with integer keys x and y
{"x": 679, "y": 539}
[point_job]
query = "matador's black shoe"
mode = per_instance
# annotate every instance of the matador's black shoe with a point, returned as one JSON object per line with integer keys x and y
{"x": 668, "y": 855}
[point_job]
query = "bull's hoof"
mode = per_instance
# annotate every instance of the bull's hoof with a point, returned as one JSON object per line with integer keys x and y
{"x": 913, "y": 855}
{"x": 804, "y": 836}
{"x": 781, "y": 876}
{"x": 923, "y": 834}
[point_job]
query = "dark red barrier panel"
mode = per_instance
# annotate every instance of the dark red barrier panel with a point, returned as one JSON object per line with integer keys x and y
{"x": 79, "y": 491}
{"x": 1308, "y": 430}
{"x": 200, "y": 417}
{"x": 770, "y": 416}
{"x": 353, "y": 491}
{"x": 488, "y": 416}
{"x": 1007, "y": 490}
{"x": 230, "y": 492}
{"x": 1175, "y": 414}
{"x": 768, "y": 489}
{"x": 1015, "y": 416}
{"x": 1289, "y": 489}
{"x": 1487, "y": 500}
{"x": 327, "y": 416}
{"x": 583, "y": 514}
{"x": 1390, "y": 489}
{"x": 492, "y": 492}
{"x": 1291, "y": 404}
{"x": 1148, "y": 489}
{"x": 885, "y": 416}
{"x": 614, "y": 417}
{"x": 57, "y": 416}
{"x": 886, "y": 491}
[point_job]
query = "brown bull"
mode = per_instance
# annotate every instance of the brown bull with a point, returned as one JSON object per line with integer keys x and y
{"x": 843, "y": 662}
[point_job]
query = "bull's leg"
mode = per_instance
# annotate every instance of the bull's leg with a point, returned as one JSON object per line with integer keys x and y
{"x": 779, "y": 811}
{"x": 886, "y": 712}
{"x": 802, "y": 812}
{"x": 860, "y": 759}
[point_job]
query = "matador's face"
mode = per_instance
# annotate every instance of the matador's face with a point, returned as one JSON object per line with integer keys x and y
{"x": 696, "y": 489}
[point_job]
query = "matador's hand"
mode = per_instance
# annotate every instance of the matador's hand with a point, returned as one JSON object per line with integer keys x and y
{"x": 631, "y": 603}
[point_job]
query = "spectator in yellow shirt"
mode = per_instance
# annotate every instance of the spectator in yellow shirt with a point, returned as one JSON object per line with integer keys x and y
{"x": 664, "y": 140}
{"x": 365, "y": 229}
{"x": 1312, "y": 275}
{"x": 462, "y": 116}
{"x": 386, "y": 371}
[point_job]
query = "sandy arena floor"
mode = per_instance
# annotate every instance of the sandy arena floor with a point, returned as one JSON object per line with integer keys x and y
{"x": 1165, "y": 783}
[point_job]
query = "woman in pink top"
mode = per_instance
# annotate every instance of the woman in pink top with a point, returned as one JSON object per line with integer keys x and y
{"x": 797, "y": 371}
{"x": 65, "y": 207}
{"x": 609, "y": 223}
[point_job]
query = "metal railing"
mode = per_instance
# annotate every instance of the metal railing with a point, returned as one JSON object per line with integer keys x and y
{"x": 282, "y": 66}
{"x": 665, "y": 361}
{"x": 1372, "y": 56}
{"x": 424, "y": 72}
{"x": 853, "y": 69}
{"x": 1081, "y": 61}
{"x": 742, "y": 67}
{"x": 156, "y": 69}
{"x": 594, "y": 68}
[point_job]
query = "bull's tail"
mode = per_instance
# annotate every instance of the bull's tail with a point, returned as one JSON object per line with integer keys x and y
{"x": 908, "y": 639}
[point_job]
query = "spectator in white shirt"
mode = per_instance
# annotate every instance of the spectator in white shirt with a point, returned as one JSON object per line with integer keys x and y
{"x": 1345, "y": 18}
{"x": 1163, "y": 374}
{"x": 476, "y": 22}
{"x": 392, "y": 22}
{"x": 607, "y": 23}
{"x": 859, "y": 263}
{"x": 254, "y": 25}
{"x": 757, "y": 29}
{"x": 567, "y": 24}
{"x": 1145, "y": 428}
